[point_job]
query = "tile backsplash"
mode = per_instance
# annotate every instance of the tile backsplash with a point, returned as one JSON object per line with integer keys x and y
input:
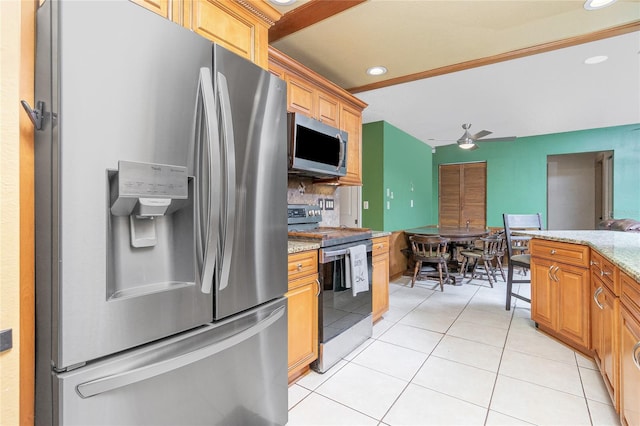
{"x": 304, "y": 191}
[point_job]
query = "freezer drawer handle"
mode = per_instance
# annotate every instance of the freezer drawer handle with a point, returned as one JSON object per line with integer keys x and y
{"x": 115, "y": 381}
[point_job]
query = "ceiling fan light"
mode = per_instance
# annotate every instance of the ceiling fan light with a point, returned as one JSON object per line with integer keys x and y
{"x": 597, "y": 4}
{"x": 466, "y": 145}
{"x": 283, "y": 2}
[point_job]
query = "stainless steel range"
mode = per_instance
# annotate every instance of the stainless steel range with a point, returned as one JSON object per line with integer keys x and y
{"x": 345, "y": 319}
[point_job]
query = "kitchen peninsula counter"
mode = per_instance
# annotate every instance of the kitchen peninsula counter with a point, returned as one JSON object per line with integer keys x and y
{"x": 621, "y": 248}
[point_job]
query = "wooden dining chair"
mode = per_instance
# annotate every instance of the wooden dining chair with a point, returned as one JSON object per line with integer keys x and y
{"x": 518, "y": 222}
{"x": 430, "y": 250}
{"x": 481, "y": 258}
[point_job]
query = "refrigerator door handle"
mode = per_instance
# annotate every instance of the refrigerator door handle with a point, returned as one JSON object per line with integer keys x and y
{"x": 228, "y": 226}
{"x": 207, "y": 163}
{"x": 163, "y": 366}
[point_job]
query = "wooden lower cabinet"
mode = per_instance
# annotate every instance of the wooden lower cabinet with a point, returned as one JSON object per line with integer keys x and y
{"x": 604, "y": 334}
{"x": 302, "y": 300}
{"x": 560, "y": 300}
{"x": 629, "y": 356}
{"x": 380, "y": 278}
{"x": 568, "y": 302}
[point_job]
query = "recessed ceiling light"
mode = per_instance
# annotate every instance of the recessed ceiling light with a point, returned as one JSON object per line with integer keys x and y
{"x": 597, "y": 4}
{"x": 377, "y": 70}
{"x": 595, "y": 59}
{"x": 283, "y": 2}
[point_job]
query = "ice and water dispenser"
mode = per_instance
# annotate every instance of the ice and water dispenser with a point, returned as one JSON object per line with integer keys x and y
{"x": 150, "y": 229}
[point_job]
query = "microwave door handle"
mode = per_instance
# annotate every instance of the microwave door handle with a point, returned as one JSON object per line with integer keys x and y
{"x": 228, "y": 148}
{"x": 342, "y": 151}
{"x": 207, "y": 162}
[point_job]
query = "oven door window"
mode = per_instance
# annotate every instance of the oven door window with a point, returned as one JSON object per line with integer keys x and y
{"x": 340, "y": 309}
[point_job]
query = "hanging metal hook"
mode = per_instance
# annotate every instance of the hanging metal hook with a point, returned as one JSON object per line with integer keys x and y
{"x": 35, "y": 115}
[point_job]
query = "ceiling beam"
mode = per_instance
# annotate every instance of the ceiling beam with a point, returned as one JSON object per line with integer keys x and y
{"x": 308, "y": 14}
{"x": 507, "y": 56}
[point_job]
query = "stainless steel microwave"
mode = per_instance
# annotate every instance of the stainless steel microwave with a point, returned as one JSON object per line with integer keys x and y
{"x": 315, "y": 148}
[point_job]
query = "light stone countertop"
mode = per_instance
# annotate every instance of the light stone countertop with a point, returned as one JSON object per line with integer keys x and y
{"x": 621, "y": 248}
{"x": 296, "y": 246}
{"x": 376, "y": 234}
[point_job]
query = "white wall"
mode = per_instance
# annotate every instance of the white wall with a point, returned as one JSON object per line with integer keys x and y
{"x": 571, "y": 191}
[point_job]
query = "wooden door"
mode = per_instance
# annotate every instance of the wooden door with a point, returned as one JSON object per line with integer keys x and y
{"x": 629, "y": 368}
{"x": 449, "y": 183}
{"x": 462, "y": 194}
{"x": 303, "y": 322}
{"x": 542, "y": 293}
{"x": 572, "y": 287}
{"x": 351, "y": 122}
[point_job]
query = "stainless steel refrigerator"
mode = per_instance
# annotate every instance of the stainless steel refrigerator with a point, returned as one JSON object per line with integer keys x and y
{"x": 161, "y": 234}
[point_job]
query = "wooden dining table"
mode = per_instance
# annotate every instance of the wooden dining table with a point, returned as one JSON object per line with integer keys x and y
{"x": 453, "y": 233}
{"x": 456, "y": 235}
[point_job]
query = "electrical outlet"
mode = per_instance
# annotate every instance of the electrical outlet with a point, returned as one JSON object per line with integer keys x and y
{"x": 365, "y": 205}
{"x": 388, "y": 205}
{"x": 328, "y": 203}
{"x": 411, "y": 203}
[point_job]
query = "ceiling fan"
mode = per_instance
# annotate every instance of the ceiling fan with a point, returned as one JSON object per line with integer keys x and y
{"x": 468, "y": 141}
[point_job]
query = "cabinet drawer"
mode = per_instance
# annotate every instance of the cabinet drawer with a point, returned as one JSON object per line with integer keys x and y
{"x": 572, "y": 254}
{"x": 630, "y": 294}
{"x": 606, "y": 271}
{"x": 303, "y": 263}
{"x": 380, "y": 246}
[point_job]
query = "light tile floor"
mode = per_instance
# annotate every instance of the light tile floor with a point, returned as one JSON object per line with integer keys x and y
{"x": 455, "y": 358}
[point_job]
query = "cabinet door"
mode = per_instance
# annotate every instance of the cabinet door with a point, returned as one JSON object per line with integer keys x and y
{"x": 573, "y": 303}
{"x": 328, "y": 110}
{"x": 604, "y": 334}
{"x": 300, "y": 96}
{"x": 161, "y": 7}
{"x": 380, "y": 278}
{"x": 543, "y": 301}
{"x": 226, "y": 24}
{"x": 303, "y": 322}
{"x": 351, "y": 122}
{"x": 629, "y": 368}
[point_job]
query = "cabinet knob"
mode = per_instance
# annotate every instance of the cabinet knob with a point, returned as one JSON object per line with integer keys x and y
{"x": 603, "y": 273}
{"x": 299, "y": 266}
{"x": 553, "y": 251}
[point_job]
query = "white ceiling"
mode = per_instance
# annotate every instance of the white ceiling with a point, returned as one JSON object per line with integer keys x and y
{"x": 539, "y": 94}
{"x": 550, "y": 92}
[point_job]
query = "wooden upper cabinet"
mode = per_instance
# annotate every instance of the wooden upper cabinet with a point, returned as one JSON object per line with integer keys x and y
{"x": 240, "y": 26}
{"x": 328, "y": 109}
{"x": 314, "y": 96}
{"x": 161, "y": 7}
{"x": 462, "y": 194}
{"x": 300, "y": 96}
{"x": 351, "y": 122}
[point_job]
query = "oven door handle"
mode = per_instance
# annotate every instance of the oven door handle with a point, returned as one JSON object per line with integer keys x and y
{"x": 326, "y": 256}
{"x": 342, "y": 252}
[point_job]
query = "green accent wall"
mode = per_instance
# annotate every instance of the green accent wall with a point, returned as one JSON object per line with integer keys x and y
{"x": 395, "y": 160}
{"x": 517, "y": 171}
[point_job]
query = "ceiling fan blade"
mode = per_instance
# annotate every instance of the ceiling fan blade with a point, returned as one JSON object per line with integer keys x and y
{"x": 505, "y": 139}
{"x": 481, "y": 134}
